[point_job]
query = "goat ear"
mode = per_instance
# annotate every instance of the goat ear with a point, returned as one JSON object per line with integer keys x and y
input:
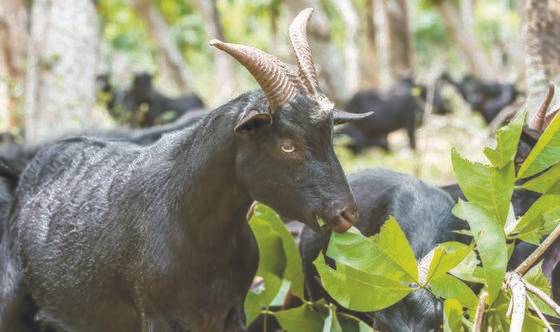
{"x": 341, "y": 117}
{"x": 252, "y": 120}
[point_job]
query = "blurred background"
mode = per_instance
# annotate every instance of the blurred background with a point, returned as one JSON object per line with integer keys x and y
{"x": 67, "y": 66}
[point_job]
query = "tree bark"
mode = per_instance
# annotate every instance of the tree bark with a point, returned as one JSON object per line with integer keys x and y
{"x": 223, "y": 67}
{"x": 368, "y": 63}
{"x": 60, "y": 79}
{"x": 464, "y": 36}
{"x": 330, "y": 64}
{"x": 400, "y": 52}
{"x": 351, "y": 50}
{"x": 13, "y": 47}
{"x": 542, "y": 46}
{"x": 161, "y": 34}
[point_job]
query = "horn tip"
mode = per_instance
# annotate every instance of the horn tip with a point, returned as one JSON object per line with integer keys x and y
{"x": 215, "y": 42}
{"x": 306, "y": 13}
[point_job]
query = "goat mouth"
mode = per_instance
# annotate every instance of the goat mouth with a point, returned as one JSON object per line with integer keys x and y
{"x": 340, "y": 223}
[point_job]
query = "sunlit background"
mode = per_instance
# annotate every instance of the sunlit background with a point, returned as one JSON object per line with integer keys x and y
{"x": 369, "y": 44}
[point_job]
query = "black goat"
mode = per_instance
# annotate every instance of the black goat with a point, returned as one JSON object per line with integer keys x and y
{"x": 424, "y": 214}
{"x": 400, "y": 108}
{"x": 142, "y": 105}
{"x": 118, "y": 237}
{"x": 485, "y": 97}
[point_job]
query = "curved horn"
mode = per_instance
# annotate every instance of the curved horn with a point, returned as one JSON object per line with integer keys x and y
{"x": 549, "y": 117}
{"x": 270, "y": 73}
{"x": 298, "y": 37}
{"x": 537, "y": 122}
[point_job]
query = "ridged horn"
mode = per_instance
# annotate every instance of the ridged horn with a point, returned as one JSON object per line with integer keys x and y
{"x": 270, "y": 73}
{"x": 549, "y": 117}
{"x": 537, "y": 122}
{"x": 298, "y": 37}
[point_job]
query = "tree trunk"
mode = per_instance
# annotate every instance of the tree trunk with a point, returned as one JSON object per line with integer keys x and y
{"x": 400, "y": 52}
{"x": 466, "y": 8}
{"x": 223, "y": 67}
{"x": 330, "y": 64}
{"x": 351, "y": 50}
{"x": 464, "y": 36}
{"x": 60, "y": 80}
{"x": 161, "y": 34}
{"x": 13, "y": 47}
{"x": 368, "y": 63}
{"x": 542, "y": 36}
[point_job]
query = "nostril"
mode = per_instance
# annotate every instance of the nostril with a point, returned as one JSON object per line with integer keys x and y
{"x": 350, "y": 213}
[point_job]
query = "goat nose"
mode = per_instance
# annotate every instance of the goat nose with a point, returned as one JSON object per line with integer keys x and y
{"x": 344, "y": 219}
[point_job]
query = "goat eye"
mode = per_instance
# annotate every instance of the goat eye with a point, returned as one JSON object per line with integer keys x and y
{"x": 288, "y": 147}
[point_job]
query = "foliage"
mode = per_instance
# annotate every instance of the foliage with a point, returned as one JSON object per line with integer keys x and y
{"x": 366, "y": 274}
{"x": 280, "y": 276}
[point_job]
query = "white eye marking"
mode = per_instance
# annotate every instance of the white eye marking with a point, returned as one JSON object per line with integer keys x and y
{"x": 288, "y": 148}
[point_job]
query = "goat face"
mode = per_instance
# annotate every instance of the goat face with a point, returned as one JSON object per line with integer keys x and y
{"x": 286, "y": 160}
{"x": 285, "y": 156}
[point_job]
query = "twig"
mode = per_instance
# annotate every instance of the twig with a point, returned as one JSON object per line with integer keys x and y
{"x": 536, "y": 255}
{"x": 543, "y": 296}
{"x": 479, "y": 315}
{"x": 540, "y": 314}
{"x": 509, "y": 310}
{"x": 518, "y": 297}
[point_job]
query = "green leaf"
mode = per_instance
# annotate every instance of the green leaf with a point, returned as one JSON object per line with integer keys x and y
{"x": 387, "y": 253}
{"x": 293, "y": 271}
{"x": 446, "y": 256}
{"x": 452, "y": 314}
{"x": 507, "y": 139}
{"x": 545, "y": 181}
{"x": 490, "y": 188}
{"x": 469, "y": 269}
{"x": 279, "y": 262}
{"x": 551, "y": 220}
{"x": 450, "y": 287}
{"x": 331, "y": 323}
{"x": 271, "y": 269}
{"x": 261, "y": 297}
{"x": 531, "y": 225}
{"x": 358, "y": 290}
{"x": 305, "y": 318}
{"x": 491, "y": 244}
{"x": 545, "y": 153}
